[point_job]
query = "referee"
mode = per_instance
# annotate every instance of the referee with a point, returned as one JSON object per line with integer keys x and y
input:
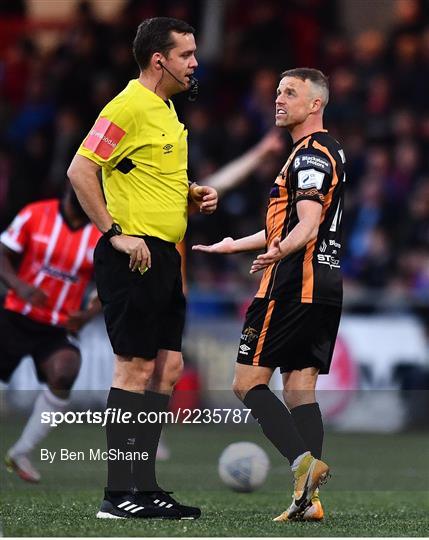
{"x": 141, "y": 148}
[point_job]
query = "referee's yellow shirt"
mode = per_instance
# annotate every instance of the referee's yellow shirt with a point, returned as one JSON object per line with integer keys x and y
{"x": 142, "y": 149}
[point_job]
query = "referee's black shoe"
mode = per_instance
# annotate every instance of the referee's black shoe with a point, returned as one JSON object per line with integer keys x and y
{"x": 125, "y": 504}
{"x": 163, "y": 499}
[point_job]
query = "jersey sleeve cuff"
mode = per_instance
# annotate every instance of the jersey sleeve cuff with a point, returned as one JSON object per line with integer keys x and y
{"x": 10, "y": 243}
{"x": 90, "y": 155}
{"x": 316, "y": 198}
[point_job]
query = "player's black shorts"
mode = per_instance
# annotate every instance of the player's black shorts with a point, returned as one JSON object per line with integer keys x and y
{"x": 289, "y": 335}
{"x": 21, "y": 336}
{"x": 143, "y": 312}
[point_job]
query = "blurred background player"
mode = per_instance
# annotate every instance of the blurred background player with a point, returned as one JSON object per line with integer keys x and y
{"x": 293, "y": 321}
{"x": 46, "y": 263}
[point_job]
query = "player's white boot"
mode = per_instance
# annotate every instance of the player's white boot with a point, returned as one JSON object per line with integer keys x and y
{"x": 22, "y": 466}
{"x": 314, "y": 512}
{"x": 310, "y": 473}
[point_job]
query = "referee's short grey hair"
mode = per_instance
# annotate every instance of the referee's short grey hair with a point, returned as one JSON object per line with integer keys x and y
{"x": 318, "y": 78}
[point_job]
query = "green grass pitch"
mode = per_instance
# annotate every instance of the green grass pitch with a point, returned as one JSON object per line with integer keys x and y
{"x": 379, "y": 487}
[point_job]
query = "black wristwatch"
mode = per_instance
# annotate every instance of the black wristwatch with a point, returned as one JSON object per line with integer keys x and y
{"x": 115, "y": 230}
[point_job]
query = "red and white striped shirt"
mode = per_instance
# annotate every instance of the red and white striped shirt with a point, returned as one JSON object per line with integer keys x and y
{"x": 55, "y": 258}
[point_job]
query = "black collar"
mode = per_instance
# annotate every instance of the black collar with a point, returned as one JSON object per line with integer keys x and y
{"x": 309, "y": 135}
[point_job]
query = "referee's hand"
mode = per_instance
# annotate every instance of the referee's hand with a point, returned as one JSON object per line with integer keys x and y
{"x": 136, "y": 248}
{"x": 205, "y": 197}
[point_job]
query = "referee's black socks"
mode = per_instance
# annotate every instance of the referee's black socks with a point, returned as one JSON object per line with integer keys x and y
{"x": 121, "y": 438}
{"x": 141, "y": 434}
{"x": 147, "y": 440}
{"x": 276, "y": 421}
{"x": 308, "y": 420}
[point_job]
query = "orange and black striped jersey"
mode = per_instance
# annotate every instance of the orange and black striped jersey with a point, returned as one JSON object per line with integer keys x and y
{"x": 313, "y": 171}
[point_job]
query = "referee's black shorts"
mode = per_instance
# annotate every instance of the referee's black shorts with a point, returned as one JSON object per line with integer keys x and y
{"x": 289, "y": 335}
{"x": 143, "y": 312}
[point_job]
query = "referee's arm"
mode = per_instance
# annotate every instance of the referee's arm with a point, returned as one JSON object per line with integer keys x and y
{"x": 83, "y": 175}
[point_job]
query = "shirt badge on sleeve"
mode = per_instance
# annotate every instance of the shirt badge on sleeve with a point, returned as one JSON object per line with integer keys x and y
{"x": 103, "y": 138}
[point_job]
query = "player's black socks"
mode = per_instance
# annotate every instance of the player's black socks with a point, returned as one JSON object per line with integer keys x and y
{"x": 276, "y": 421}
{"x": 308, "y": 420}
{"x": 121, "y": 437}
{"x": 148, "y": 439}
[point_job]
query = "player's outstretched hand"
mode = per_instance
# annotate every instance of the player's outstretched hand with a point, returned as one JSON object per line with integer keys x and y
{"x": 273, "y": 255}
{"x": 224, "y": 246}
{"x": 33, "y": 295}
{"x": 136, "y": 248}
{"x": 205, "y": 197}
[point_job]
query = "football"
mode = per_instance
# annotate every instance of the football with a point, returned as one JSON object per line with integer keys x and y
{"x": 243, "y": 466}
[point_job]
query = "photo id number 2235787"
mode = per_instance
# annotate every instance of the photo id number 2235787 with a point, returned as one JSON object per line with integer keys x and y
{"x": 214, "y": 416}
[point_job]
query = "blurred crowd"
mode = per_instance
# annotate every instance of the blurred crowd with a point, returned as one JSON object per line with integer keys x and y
{"x": 49, "y": 98}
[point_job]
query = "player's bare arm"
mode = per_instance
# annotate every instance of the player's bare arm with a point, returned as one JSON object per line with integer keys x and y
{"x": 9, "y": 277}
{"x": 309, "y": 214}
{"x": 228, "y": 245}
{"x": 83, "y": 174}
{"x": 204, "y": 197}
{"x": 235, "y": 172}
